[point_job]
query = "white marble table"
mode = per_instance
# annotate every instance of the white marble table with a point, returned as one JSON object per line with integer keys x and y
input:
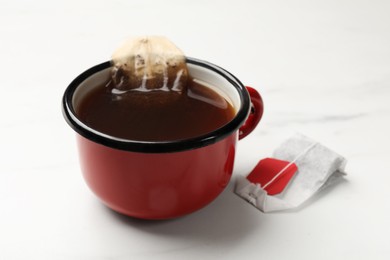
{"x": 323, "y": 68}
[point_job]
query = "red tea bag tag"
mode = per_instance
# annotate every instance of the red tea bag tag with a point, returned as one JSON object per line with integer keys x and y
{"x": 273, "y": 175}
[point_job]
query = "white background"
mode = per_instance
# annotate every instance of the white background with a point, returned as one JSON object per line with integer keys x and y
{"x": 322, "y": 67}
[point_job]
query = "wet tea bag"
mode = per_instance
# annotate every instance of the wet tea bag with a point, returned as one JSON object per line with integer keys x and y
{"x": 300, "y": 168}
{"x": 149, "y": 63}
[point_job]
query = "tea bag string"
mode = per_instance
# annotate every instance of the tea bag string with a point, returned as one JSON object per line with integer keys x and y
{"x": 304, "y": 152}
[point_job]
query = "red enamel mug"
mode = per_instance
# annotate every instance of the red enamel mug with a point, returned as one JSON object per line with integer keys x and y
{"x": 160, "y": 180}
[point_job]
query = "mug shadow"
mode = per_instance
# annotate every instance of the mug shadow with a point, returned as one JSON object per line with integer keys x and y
{"x": 227, "y": 219}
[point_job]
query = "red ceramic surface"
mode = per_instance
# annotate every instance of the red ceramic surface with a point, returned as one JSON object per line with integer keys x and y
{"x": 157, "y": 185}
{"x": 255, "y": 114}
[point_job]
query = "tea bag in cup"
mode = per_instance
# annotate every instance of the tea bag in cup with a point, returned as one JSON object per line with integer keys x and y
{"x": 149, "y": 63}
{"x": 303, "y": 167}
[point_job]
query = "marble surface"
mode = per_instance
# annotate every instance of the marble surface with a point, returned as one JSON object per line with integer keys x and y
{"x": 323, "y": 68}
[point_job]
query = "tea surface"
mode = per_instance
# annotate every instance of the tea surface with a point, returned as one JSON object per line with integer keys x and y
{"x": 155, "y": 115}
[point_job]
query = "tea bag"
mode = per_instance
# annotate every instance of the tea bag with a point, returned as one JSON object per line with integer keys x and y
{"x": 316, "y": 167}
{"x": 149, "y": 63}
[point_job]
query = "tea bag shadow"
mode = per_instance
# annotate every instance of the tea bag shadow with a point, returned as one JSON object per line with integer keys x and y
{"x": 226, "y": 220}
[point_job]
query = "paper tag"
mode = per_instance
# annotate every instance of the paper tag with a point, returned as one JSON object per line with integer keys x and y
{"x": 273, "y": 175}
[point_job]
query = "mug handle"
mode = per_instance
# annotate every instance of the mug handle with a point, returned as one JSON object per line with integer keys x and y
{"x": 255, "y": 114}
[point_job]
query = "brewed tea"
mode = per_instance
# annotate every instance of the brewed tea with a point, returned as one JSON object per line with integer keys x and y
{"x": 155, "y": 115}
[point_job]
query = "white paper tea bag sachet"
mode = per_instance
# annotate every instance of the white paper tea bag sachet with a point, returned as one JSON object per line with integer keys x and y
{"x": 301, "y": 168}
